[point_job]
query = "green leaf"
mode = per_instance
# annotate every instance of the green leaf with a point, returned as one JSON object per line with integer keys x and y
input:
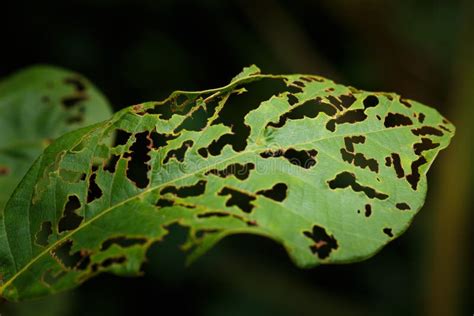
{"x": 37, "y": 105}
{"x": 330, "y": 172}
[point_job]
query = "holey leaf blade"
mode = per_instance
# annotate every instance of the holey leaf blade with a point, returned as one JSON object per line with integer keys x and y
{"x": 37, "y": 105}
{"x": 330, "y": 172}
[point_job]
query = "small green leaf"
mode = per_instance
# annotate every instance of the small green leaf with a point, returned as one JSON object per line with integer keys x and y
{"x": 330, "y": 172}
{"x": 37, "y": 105}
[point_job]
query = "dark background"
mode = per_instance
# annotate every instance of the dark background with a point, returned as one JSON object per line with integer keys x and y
{"x": 139, "y": 50}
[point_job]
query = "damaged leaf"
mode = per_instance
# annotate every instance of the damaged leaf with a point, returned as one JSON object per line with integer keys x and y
{"x": 330, "y": 172}
{"x": 37, "y": 105}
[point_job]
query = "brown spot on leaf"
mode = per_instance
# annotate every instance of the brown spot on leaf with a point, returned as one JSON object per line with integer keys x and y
{"x": 4, "y": 170}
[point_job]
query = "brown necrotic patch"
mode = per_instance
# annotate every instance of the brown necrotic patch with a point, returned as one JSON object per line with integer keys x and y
{"x": 403, "y": 206}
{"x": 397, "y": 119}
{"x": 41, "y": 237}
{"x": 4, "y": 171}
{"x": 310, "y": 109}
{"x": 349, "y": 117}
{"x": 323, "y": 242}
{"x": 238, "y": 170}
{"x": 414, "y": 177}
{"x": 357, "y": 159}
{"x": 76, "y": 261}
{"x": 277, "y": 193}
{"x": 238, "y": 198}
{"x": 346, "y": 179}
{"x": 70, "y": 219}
{"x": 137, "y": 166}
{"x": 179, "y": 153}
{"x": 397, "y": 165}
{"x": 425, "y": 144}
{"x": 303, "y": 158}
{"x": 123, "y": 242}
{"x": 186, "y": 191}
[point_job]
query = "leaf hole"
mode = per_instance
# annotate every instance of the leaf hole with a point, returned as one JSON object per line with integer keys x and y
{"x": 346, "y": 179}
{"x": 138, "y": 167}
{"x": 403, "y": 206}
{"x": 240, "y": 171}
{"x": 397, "y": 119}
{"x": 237, "y": 198}
{"x": 277, "y": 193}
{"x": 371, "y": 101}
{"x": 323, "y": 242}
{"x": 388, "y": 232}
{"x": 186, "y": 191}
{"x": 41, "y": 237}
{"x": 70, "y": 219}
{"x": 123, "y": 242}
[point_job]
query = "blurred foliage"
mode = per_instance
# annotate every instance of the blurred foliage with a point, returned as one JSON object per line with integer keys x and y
{"x": 141, "y": 50}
